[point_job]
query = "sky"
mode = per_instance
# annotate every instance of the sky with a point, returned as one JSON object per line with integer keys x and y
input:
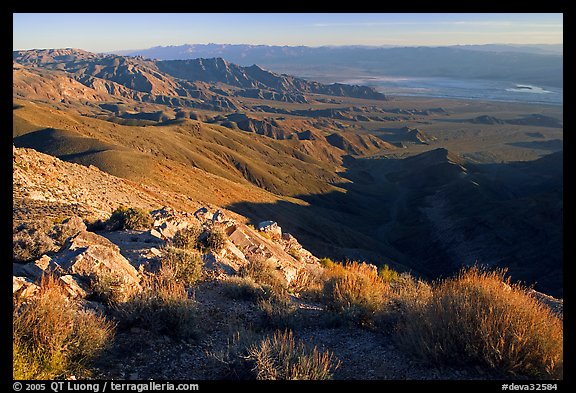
{"x": 99, "y": 32}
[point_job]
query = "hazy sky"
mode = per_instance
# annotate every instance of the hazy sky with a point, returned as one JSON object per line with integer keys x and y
{"x": 107, "y": 32}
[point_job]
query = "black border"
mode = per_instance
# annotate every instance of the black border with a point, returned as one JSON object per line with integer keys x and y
{"x": 307, "y": 7}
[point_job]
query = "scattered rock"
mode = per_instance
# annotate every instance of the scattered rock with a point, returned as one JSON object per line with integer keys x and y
{"x": 155, "y": 234}
{"x": 270, "y": 227}
{"x": 217, "y": 217}
{"x": 156, "y": 252}
{"x": 200, "y": 214}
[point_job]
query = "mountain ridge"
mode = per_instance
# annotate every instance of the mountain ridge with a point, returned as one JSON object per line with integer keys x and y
{"x": 530, "y": 66}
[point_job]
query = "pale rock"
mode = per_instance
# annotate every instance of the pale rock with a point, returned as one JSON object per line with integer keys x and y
{"x": 234, "y": 251}
{"x": 239, "y": 238}
{"x": 75, "y": 223}
{"x": 167, "y": 230}
{"x": 156, "y": 252}
{"x": 218, "y": 217}
{"x": 23, "y": 287}
{"x": 89, "y": 254}
{"x": 36, "y": 269}
{"x": 270, "y": 227}
{"x": 155, "y": 233}
{"x": 214, "y": 263}
{"x": 74, "y": 287}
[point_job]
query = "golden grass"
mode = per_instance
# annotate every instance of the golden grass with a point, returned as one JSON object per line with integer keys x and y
{"x": 53, "y": 338}
{"x": 280, "y": 357}
{"x": 356, "y": 291}
{"x": 479, "y": 317}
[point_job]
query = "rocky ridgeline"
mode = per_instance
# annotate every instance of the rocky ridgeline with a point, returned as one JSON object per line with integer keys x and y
{"x": 126, "y": 255}
{"x": 45, "y": 187}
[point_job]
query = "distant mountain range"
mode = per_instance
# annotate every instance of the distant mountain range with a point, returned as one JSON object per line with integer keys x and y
{"x": 538, "y": 64}
{"x": 180, "y": 82}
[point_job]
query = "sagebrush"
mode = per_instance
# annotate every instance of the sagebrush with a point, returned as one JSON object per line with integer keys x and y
{"x": 479, "y": 317}
{"x": 280, "y": 357}
{"x": 54, "y": 338}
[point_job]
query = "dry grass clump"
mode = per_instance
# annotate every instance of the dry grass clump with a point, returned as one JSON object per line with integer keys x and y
{"x": 280, "y": 357}
{"x": 163, "y": 307}
{"x": 263, "y": 273}
{"x": 480, "y": 318}
{"x": 355, "y": 291}
{"x": 243, "y": 288}
{"x": 272, "y": 297}
{"x": 185, "y": 264}
{"x": 53, "y": 338}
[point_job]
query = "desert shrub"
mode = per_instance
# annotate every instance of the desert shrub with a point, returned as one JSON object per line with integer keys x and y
{"x": 387, "y": 274}
{"x": 308, "y": 283}
{"x": 185, "y": 264}
{"x": 229, "y": 362}
{"x": 273, "y": 297}
{"x": 327, "y": 262}
{"x": 480, "y": 318}
{"x": 279, "y": 312}
{"x": 356, "y": 292}
{"x": 280, "y": 357}
{"x": 409, "y": 293}
{"x": 163, "y": 307}
{"x": 215, "y": 239}
{"x": 96, "y": 225}
{"x": 262, "y": 272}
{"x": 31, "y": 240}
{"x": 242, "y": 288}
{"x": 130, "y": 218}
{"x": 53, "y": 337}
{"x": 107, "y": 288}
{"x": 187, "y": 237}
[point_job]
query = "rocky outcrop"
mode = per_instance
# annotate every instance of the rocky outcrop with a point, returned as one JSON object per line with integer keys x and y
{"x": 84, "y": 258}
{"x": 271, "y": 228}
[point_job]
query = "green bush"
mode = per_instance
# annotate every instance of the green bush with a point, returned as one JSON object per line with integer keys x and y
{"x": 282, "y": 358}
{"x": 387, "y": 274}
{"x": 130, "y": 218}
{"x": 53, "y": 338}
{"x": 215, "y": 239}
{"x": 107, "y": 288}
{"x": 479, "y": 318}
{"x": 187, "y": 237}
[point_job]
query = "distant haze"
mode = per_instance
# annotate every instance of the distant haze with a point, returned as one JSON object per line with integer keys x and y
{"x": 103, "y": 32}
{"x": 531, "y": 64}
